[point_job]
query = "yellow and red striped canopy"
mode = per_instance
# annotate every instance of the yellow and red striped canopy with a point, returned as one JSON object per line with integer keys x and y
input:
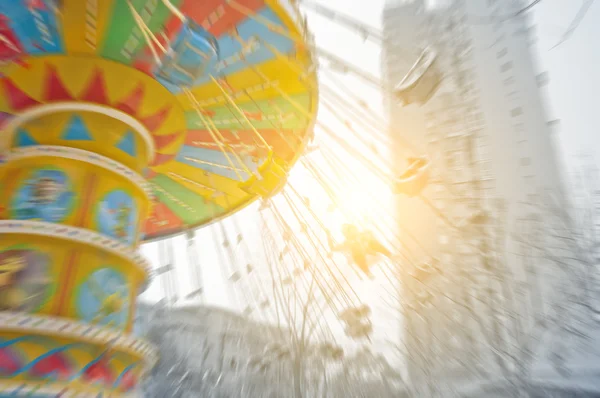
{"x": 254, "y": 101}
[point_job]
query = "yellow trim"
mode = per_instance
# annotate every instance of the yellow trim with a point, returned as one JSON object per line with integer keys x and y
{"x": 105, "y": 132}
{"x": 277, "y": 69}
{"x": 304, "y": 58}
{"x": 285, "y": 17}
{"x": 77, "y": 71}
{"x": 57, "y": 334}
{"x": 218, "y": 182}
{"x": 209, "y": 94}
{"x": 121, "y": 80}
{"x": 75, "y": 27}
{"x": 209, "y": 194}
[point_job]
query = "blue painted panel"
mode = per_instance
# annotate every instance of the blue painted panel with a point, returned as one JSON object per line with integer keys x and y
{"x": 230, "y": 48}
{"x": 76, "y": 130}
{"x": 24, "y": 139}
{"x": 194, "y": 50}
{"x": 127, "y": 144}
{"x": 35, "y": 24}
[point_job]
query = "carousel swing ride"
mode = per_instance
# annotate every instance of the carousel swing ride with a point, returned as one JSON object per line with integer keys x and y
{"x": 125, "y": 121}
{"x": 295, "y": 242}
{"x": 298, "y": 245}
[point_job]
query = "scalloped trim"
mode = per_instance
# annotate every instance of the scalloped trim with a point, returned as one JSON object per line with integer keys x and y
{"x": 53, "y": 390}
{"x": 83, "y": 156}
{"x": 63, "y": 327}
{"x": 79, "y": 235}
{"x": 68, "y": 106}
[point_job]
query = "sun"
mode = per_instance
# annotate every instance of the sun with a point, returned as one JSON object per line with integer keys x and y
{"x": 365, "y": 205}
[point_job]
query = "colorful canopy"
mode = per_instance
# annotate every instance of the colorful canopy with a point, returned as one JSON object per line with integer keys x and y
{"x": 225, "y": 90}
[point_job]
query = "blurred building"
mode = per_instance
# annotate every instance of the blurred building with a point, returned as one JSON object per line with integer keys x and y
{"x": 207, "y": 351}
{"x": 491, "y": 147}
{"x": 212, "y": 352}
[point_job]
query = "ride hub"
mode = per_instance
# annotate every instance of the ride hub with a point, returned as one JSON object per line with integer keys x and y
{"x": 123, "y": 122}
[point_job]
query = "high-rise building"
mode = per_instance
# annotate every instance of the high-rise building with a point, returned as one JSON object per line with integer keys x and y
{"x": 493, "y": 161}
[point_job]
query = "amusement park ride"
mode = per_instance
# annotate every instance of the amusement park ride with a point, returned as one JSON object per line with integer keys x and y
{"x": 126, "y": 121}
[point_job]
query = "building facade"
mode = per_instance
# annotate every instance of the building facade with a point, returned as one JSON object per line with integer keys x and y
{"x": 493, "y": 162}
{"x": 212, "y": 352}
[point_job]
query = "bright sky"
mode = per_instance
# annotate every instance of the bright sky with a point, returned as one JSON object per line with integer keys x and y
{"x": 218, "y": 290}
{"x": 333, "y": 39}
{"x": 573, "y": 68}
{"x": 573, "y": 91}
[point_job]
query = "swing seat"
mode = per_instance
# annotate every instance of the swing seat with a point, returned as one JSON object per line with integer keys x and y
{"x": 254, "y": 362}
{"x": 269, "y": 180}
{"x": 353, "y": 314}
{"x": 189, "y": 55}
{"x": 364, "y": 311}
{"x": 374, "y": 247}
{"x": 235, "y": 277}
{"x": 414, "y": 179}
{"x": 264, "y": 205}
{"x": 330, "y": 351}
{"x": 283, "y": 354}
{"x": 348, "y": 315}
{"x": 480, "y": 217}
{"x": 423, "y": 298}
{"x": 337, "y": 354}
{"x": 272, "y": 349}
{"x": 425, "y": 270}
{"x": 359, "y": 330}
{"x": 422, "y": 80}
{"x": 264, "y": 304}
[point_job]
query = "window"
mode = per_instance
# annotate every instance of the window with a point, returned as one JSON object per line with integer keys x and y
{"x": 506, "y": 66}
{"x": 542, "y": 79}
{"x": 482, "y": 153}
{"x": 518, "y": 111}
{"x": 501, "y": 53}
{"x": 486, "y": 167}
{"x": 488, "y": 184}
{"x": 525, "y": 161}
{"x": 509, "y": 80}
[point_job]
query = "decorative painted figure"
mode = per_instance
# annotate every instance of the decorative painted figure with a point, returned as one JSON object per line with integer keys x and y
{"x": 24, "y": 280}
{"x": 117, "y": 216}
{"x": 44, "y": 197}
{"x": 104, "y": 298}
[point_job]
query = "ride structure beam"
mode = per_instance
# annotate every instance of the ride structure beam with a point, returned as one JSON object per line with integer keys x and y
{"x": 338, "y": 63}
{"x": 367, "y": 32}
